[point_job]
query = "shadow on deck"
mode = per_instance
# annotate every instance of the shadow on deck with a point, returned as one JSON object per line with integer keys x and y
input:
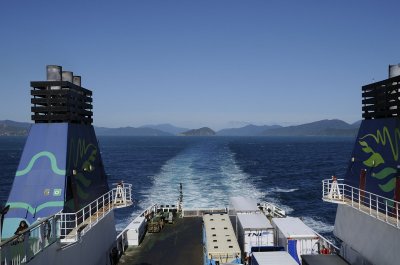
{"x": 178, "y": 243}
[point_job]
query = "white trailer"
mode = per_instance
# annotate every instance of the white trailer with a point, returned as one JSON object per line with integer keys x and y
{"x": 296, "y": 237}
{"x": 254, "y": 230}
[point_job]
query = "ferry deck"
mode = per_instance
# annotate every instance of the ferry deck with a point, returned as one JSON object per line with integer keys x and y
{"x": 177, "y": 243}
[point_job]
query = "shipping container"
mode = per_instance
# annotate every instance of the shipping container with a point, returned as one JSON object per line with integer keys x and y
{"x": 296, "y": 237}
{"x": 136, "y": 231}
{"x": 254, "y": 230}
{"x": 220, "y": 244}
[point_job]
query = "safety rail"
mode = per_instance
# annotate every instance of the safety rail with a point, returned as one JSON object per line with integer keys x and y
{"x": 24, "y": 246}
{"x": 65, "y": 227}
{"x": 270, "y": 209}
{"x": 74, "y": 225}
{"x": 223, "y": 257}
{"x": 201, "y": 212}
{"x": 384, "y": 209}
{"x": 325, "y": 243}
{"x": 123, "y": 238}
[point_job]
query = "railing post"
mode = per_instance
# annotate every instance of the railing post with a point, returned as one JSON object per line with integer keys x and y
{"x": 42, "y": 235}
{"x": 377, "y": 207}
{"x": 109, "y": 201}
{"x": 359, "y": 200}
{"x": 76, "y": 225}
{"x": 397, "y": 214}
{"x": 343, "y": 191}
{"x": 352, "y": 197}
{"x": 90, "y": 214}
{"x": 386, "y": 211}
{"x": 103, "y": 208}
{"x": 370, "y": 204}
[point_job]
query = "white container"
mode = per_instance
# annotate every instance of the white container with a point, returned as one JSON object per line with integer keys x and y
{"x": 272, "y": 258}
{"x": 254, "y": 230}
{"x": 136, "y": 231}
{"x": 296, "y": 237}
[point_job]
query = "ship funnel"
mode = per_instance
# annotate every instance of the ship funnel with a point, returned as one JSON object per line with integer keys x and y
{"x": 394, "y": 70}
{"x": 54, "y": 72}
{"x": 77, "y": 80}
{"x": 67, "y": 76}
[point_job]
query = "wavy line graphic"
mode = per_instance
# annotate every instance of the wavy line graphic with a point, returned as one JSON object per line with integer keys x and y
{"x": 389, "y": 186}
{"x": 27, "y": 206}
{"x": 384, "y": 173}
{"x": 384, "y": 137}
{"x": 49, "y": 155}
{"x": 81, "y": 149}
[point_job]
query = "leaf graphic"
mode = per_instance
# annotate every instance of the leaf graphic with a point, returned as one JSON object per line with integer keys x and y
{"x": 363, "y": 143}
{"x": 368, "y": 150}
{"x": 375, "y": 157}
{"x": 384, "y": 173}
{"x": 389, "y": 186}
{"x": 83, "y": 180}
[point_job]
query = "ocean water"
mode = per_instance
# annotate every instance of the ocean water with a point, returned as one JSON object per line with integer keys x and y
{"x": 285, "y": 171}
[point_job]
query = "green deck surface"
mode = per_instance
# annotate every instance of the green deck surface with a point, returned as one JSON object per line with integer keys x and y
{"x": 178, "y": 243}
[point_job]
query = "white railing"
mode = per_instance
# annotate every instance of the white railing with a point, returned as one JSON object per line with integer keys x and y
{"x": 201, "y": 212}
{"x": 23, "y": 247}
{"x": 382, "y": 208}
{"x": 324, "y": 242}
{"x": 270, "y": 209}
{"x": 74, "y": 225}
{"x": 66, "y": 227}
{"x": 123, "y": 238}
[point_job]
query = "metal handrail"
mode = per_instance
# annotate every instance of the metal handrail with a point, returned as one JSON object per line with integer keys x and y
{"x": 66, "y": 227}
{"x": 328, "y": 244}
{"x": 384, "y": 209}
{"x": 274, "y": 210}
{"x": 74, "y": 225}
{"x": 196, "y": 212}
{"x": 24, "y": 246}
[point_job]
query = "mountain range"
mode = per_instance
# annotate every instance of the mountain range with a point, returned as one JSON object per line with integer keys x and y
{"x": 14, "y": 128}
{"x": 248, "y": 130}
{"x": 318, "y": 128}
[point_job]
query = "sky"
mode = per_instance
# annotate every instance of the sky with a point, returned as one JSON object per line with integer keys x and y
{"x": 216, "y": 63}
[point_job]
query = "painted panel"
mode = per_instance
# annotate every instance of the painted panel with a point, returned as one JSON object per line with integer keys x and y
{"x": 39, "y": 185}
{"x": 86, "y": 176}
{"x": 376, "y": 152}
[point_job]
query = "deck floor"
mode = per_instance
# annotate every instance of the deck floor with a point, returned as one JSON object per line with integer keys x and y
{"x": 178, "y": 243}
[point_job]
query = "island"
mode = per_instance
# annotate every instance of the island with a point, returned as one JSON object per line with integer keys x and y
{"x": 205, "y": 131}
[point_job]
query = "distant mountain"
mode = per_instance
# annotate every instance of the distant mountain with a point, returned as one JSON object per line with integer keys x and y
{"x": 248, "y": 130}
{"x": 14, "y": 128}
{"x": 205, "y": 131}
{"x": 129, "y": 131}
{"x": 318, "y": 128}
{"x": 167, "y": 128}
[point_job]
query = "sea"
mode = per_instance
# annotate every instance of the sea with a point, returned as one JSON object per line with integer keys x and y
{"x": 286, "y": 171}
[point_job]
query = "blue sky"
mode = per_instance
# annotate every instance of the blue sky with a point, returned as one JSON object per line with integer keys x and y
{"x": 217, "y": 63}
